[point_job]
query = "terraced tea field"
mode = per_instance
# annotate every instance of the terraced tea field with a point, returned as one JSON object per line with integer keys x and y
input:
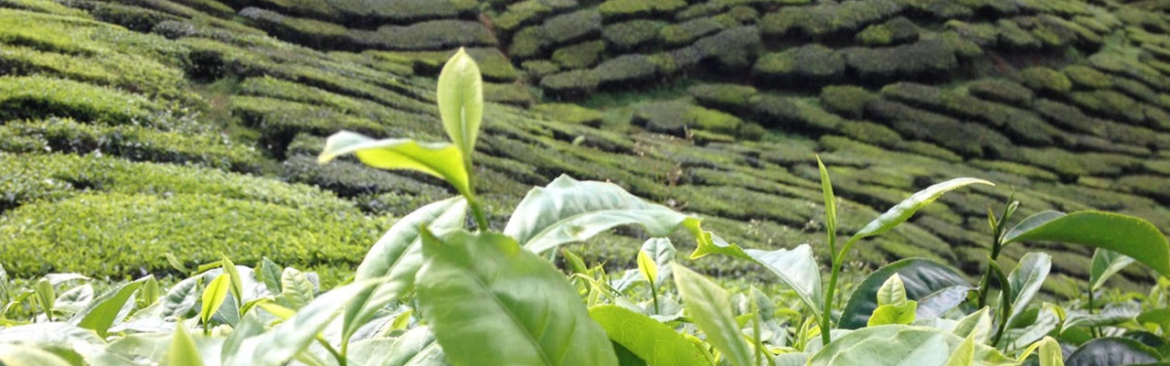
{"x": 137, "y": 128}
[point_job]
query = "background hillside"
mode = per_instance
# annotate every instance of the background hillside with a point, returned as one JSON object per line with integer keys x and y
{"x": 136, "y": 128}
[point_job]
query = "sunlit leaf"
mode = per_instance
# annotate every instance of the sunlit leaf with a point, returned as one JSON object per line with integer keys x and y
{"x": 1027, "y": 279}
{"x": 796, "y": 268}
{"x": 892, "y": 292}
{"x": 830, "y": 202}
{"x": 183, "y": 351}
{"x": 709, "y": 308}
{"x": 460, "y": 99}
{"x": 489, "y": 302}
{"x": 1127, "y": 235}
{"x": 662, "y": 251}
{"x": 1050, "y": 353}
{"x": 900, "y": 345}
{"x": 893, "y": 314}
{"x": 416, "y": 347}
{"x": 214, "y": 296}
{"x": 904, "y": 210}
{"x": 647, "y": 338}
{"x": 101, "y": 313}
{"x": 964, "y": 354}
{"x": 648, "y": 268}
{"x": 442, "y": 160}
{"x": 978, "y": 324}
{"x": 569, "y": 211}
{"x": 296, "y": 289}
{"x": 23, "y": 355}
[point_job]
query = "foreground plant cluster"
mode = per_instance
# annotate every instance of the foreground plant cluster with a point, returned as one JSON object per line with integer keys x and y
{"x": 434, "y": 291}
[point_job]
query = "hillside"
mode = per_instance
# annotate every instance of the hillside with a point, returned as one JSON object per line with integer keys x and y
{"x": 136, "y": 128}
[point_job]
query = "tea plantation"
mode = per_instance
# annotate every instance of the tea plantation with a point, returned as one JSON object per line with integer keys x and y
{"x": 133, "y": 129}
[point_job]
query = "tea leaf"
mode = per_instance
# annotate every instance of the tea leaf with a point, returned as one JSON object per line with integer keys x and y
{"x": 442, "y": 160}
{"x": 647, "y": 338}
{"x": 710, "y": 310}
{"x": 460, "y": 98}
{"x": 1127, "y": 235}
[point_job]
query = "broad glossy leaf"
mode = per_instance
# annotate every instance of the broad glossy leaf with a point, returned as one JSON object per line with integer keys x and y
{"x": 710, "y": 309}
{"x": 904, "y": 210}
{"x": 662, "y": 251}
{"x": 416, "y": 347}
{"x": 214, "y": 296}
{"x": 489, "y": 302}
{"x": 442, "y": 160}
{"x": 1050, "y": 353}
{"x": 460, "y": 98}
{"x": 978, "y": 324}
{"x": 1161, "y": 317}
{"x": 24, "y": 355}
{"x": 100, "y": 314}
{"x": 627, "y": 358}
{"x": 964, "y": 355}
{"x": 1127, "y": 235}
{"x": 891, "y": 345}
{"x": 935, "y": 305}
{"x": 1046, "y": 321}
{"x": 892, "y": 292}
{"x": 647, "y": 338}
{"x": 180, "y": 299}
{"x": 1112, "y": 314}
{"x": 296, "y": 289}
{"x": 1112, "y": 352}
{"x": 269, "y": 273}
{"x": 1106, "y": 263}
{"x": 920, "y": 277}
{"x": 893, "y": 314}
{"x": 398, "y": 255}
{"x": 183, "y": 351}
{"x": 797, "y": 268}
{"x": 569, "y": 211}
{"x": 283, "y": 342}
{"x": 1027, "y": 279}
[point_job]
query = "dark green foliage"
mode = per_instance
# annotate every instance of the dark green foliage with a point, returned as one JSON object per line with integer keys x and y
{"x": 939, "y": 9}
{"x": 579, "y": 56}
{"x": 36, "y": 97}
{"x": 925, "y": 57}
{"x": 677, "y": 117}
{"x": 794, "y": 114}
{"x": 846, "y": 100}
{"x": 626, "y": 70}
{"x": 1001, "y": 90}
{"x": 431, "y": 35}
{"x": 626, "y": 9}
{"x": 1109, "y": 104}
{"x": 1146, "y": 185}
{"x": 966, "y": 139}
{"x": 728, "y": 97}
{"x": 511, "y": 93}
{"x": 397, "y": 11}
{"x": 827, "y": 19}
{"x": 982, "y": 34}
{"x": 131, "y": 17}
{"x": 538, "y": 69}
{"x": 129, "y": 142}
{"x": 1069, "y": 164}
{"x": 733, "y": 49}
{"x": 570, "y": 84}
{"x": 280, "y": 121}
{"x": 896, "y": 31}
{"x": 1069, "y": 117}
{"x": 529, "y": 12}
{"x": 688, "y": 31}
{"x": 309, "y": 32}
{"x": 1011, "y": 35}
{"x": 632, "y": 34}
{"x": 562, "y": 29}
{"x": 131, "y": 73}
{"x": 1045, "y": 80}
{"x": 1122, "y": 65}
{"x": 812, "y": 63}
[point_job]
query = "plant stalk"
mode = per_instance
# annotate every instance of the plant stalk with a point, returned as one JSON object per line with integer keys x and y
{"x": 827, "y": 316}
{"x": 985, "y": 284}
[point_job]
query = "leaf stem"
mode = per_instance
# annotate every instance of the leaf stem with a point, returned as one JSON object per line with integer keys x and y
{"x": 827, "y": 312}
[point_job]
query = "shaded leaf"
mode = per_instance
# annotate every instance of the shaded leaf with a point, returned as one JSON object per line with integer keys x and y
{"x": 296, "y": 289}
{"x": 101, "y": 313}
{"x": 920, "y": 277}
{"x": 662, "y": 251}
{"x": 891, "y": 345}
{"x": 1112, "y": 352}
{"x": 1027, "y": 279}
{"x": 938, "y": 303}
{"x": 892, "y": 292}
{"x": 1106, "y": 263}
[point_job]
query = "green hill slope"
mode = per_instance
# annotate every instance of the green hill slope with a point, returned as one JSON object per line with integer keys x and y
{"x": 136, "y": 128}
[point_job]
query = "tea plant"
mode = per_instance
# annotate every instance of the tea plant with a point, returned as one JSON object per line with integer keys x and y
{"x": 432, "y": 291}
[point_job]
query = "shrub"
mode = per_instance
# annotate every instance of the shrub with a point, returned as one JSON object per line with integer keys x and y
{"x": 966, "y": 139}
{"x": 632, "y": 34}
{"x": 570, "y": 84}
{"x": 1001, "y": 90}
{"x": 50, "y": 177}
{"x": 128, "y": 72}
{"x": 1069, "y": 117}
{"x": 896, "y": 31}
{"x": 982, "y": 34}
{"x": 811, "y": 63}
{"x": 579, "y": 56}
{"x": 280, "y": 121}
{"x": 828, "y": 19}
{"x": 625, "y": 9}
{"x": 132, "y": 17}
{"x": 511, "y": 93}
{"x": 349, "y": 179}
{"x": 1012, "y": 36}
{"x": 794, "y": 114}
{"x": 846, "y": 100}
{"x": 919, "y": 59}
{"x": 733, "y": 48}
{"x": 1087, "y": 77}
{"x": 626, "y": 70}
{"x": 131, "y": 142}
{"x": 1069, "y": 164}
{"x": 1110, "y": 104}
{"x": 538, "y": 69}
{"x": 1043, "y": 79}
{"x": 1127, "y": 66}
{"x": 44, "y": 6}
{"x": 309, "y": 32}
{"x": 493, "y": 64}
{"x": 118, "y": 235}
{"x": 566, "y": 28}
{"x": 688, "y": 31}
{"x": 729, "y": 97}
{"x": 677, "y": 117}
{"x": 527, "y": 12}
{"x": 36, "y": 97}
{"x": 430, "y": 35}
{"x": 570, "y": 113}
